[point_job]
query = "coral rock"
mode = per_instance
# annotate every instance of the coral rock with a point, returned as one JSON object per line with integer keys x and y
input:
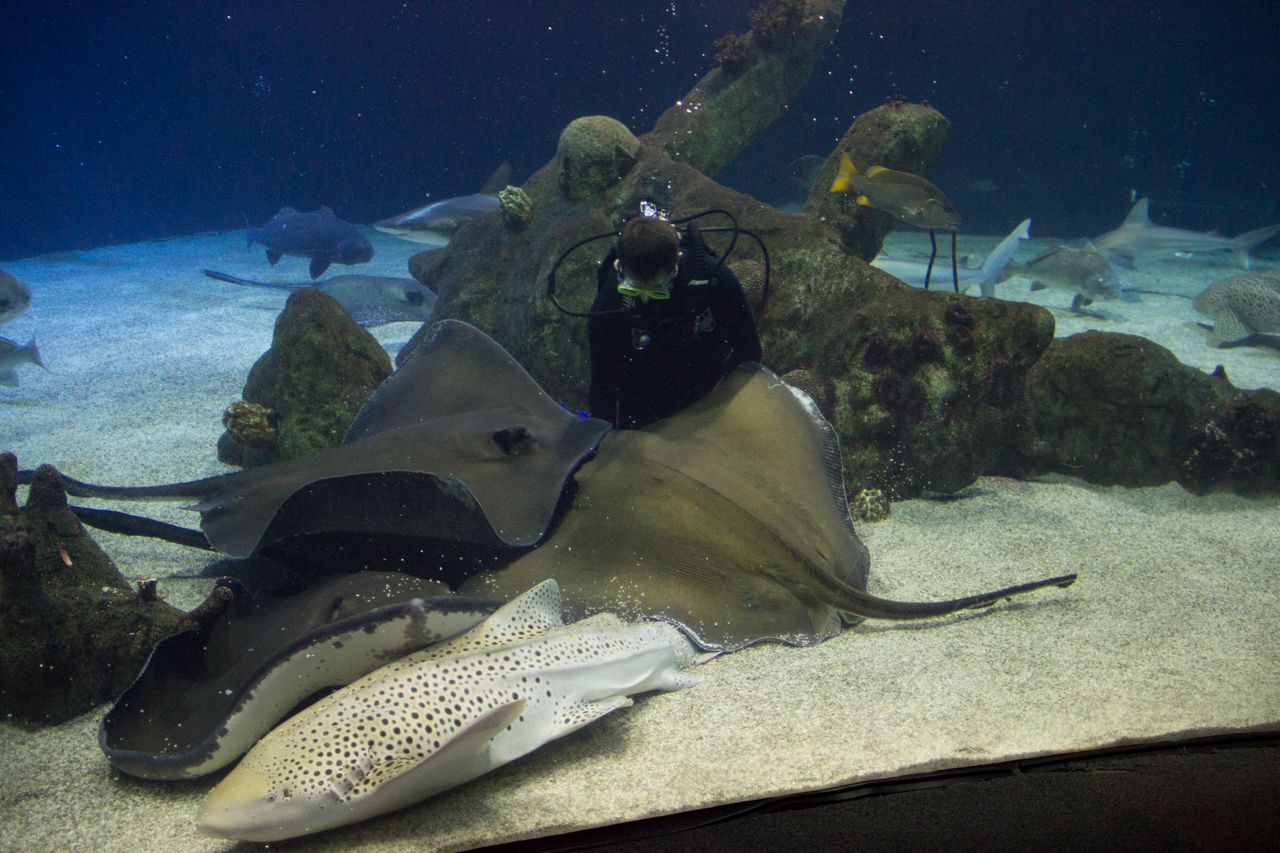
{"x": 593, "y": 154}
{"x": 321, "y": 368}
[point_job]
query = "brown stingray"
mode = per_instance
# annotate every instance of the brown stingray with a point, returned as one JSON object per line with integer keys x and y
{"x": 207, "y": 694}
{"x": 459, "y": 444}
{"x": 728, "y": 519}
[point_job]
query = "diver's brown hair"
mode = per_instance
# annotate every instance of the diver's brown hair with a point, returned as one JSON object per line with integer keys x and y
{"x": 647, "y": 247}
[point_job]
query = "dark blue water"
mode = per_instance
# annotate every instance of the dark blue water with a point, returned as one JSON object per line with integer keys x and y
{"x": 124, "y": 122}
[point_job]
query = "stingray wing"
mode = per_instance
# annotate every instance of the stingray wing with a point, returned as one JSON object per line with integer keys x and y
{"x": 458, "y": 444}
{"x": 724, "y": 518}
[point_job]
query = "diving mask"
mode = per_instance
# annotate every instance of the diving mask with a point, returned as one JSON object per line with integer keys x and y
{"x": 657, "y": 289}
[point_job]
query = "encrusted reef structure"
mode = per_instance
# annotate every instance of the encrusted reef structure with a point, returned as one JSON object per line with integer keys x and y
{"x": 73, "y": 632}
{"x": 927, "y": 390}
{"x": 303, "y": 393}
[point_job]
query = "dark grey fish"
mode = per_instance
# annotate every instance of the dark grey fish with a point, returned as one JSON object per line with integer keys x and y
{"x": 12, "y": 355}
{"x": 318, "y": 235}
{"x": 372, "y": 300}
{"x": 15, "y": 297}
{"x": 1083, "y": 272}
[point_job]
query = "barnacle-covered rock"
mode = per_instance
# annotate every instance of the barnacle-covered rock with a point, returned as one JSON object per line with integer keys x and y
{"x": 516, "y": 206}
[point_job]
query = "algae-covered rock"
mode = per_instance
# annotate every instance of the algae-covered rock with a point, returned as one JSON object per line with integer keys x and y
{"x": 594, "y": 152}
{"x": 516, "y": 207}
{"x": 321, "y": 368}
{"x": 1122, "y": 410}
{"x": 73, "y": 633}
{"x": 767, "y": 67}
{"x": 904, "y": 137}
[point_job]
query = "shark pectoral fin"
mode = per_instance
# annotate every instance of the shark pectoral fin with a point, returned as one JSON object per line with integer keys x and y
{"x": 1039, "y": 285}
{"x": 273, "y": 257}
{"x": 1122, "y": 261}
{"x": 318, "y": 266}
{"x": 1080, "y": 302}
{"x": 1228, "y": 327}
{"x": 458, "y": 760}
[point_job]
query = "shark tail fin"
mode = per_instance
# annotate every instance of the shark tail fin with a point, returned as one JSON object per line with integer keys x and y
{"x": 1241, "y": 246}
{"x": 999, "y": 257}
{"x": 32, "y": 353}
{"x": 847, "y": 170}
{"x": 500, "y": 178}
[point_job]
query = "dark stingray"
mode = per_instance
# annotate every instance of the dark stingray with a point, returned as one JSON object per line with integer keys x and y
{"x": 206, "y": 695}
{"x": 459, "y": 444}
{"x": 372, "y": 300}
{"x": 728, "y": 519}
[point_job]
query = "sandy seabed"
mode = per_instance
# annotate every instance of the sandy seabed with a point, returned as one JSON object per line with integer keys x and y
{"x": 1172, "y": 630}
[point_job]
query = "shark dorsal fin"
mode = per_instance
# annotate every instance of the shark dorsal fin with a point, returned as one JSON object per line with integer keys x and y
{"x": 1139, "y": 215}
{"x": 500, "y": 178}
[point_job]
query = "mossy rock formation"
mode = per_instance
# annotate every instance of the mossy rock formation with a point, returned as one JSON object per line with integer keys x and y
{"x": 73, "y": 633}
{"x": 321, "y": 368}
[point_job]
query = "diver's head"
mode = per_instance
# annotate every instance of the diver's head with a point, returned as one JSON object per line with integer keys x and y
{"x": 648, "y": 257}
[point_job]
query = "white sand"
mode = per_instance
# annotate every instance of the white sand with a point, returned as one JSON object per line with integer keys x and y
{"x": 1172, "y": 629}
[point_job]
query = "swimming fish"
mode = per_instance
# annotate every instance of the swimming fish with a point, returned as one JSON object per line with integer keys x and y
{"x": 318, "y": 235}
{"x": 371, "y": 299}
{"x": 12, "y": 355}
{"x": 1242, "y": 306}
{"x": 985, "y": 276}
{"x": 15, "y": 297}
{"x": 909, "y": 197}
{"x": 436, "y": 223}
{"x": 443, "y": 716}
{"x": 1137, "y": 239}
{"x": 1083, "y": 272}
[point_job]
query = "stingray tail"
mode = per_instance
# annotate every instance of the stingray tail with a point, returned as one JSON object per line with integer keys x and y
{"x": 195, "y": 489}
{"x": 861, "y": 604}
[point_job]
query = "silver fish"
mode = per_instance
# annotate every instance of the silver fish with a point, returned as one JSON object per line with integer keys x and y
{"x": 15, "y": 297}
{"x": 12, "y": 355}
{"x": 443, "y": 716}
{"x": 1083, "y": 272}
{"x": 1138, "y": 239}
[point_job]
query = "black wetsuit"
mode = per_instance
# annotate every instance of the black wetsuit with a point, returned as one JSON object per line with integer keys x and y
{"x": 695, "y": 337}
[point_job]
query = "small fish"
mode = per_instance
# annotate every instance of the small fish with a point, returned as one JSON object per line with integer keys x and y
{"x": 985, "y": 185}
{"x": 443, "y": 716}
{"x": 985, "y": 276}
{"x": 318, "y": 235}
{"x": 1138, "y": 239}
{"x": 15, "y": 297}
{"x": 1242, "y": 306}
{"x": 909, "y": 197}
{"x": 372, "y": 300}
{"x": 1083, "y": 272}
{"x": 436, "y": 223}
{"x": 12, "y": 355}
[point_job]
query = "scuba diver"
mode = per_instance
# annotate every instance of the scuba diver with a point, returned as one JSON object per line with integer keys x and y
{"x": 668, "y": 321}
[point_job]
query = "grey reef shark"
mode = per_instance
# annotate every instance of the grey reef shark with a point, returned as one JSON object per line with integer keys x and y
{"x": 318, "y": 235}
{"x": 436, "y": 223}
{"x": 372, "y": 300}
{"x": 1138, "y": 240}
{"x": 985, "y": 276}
